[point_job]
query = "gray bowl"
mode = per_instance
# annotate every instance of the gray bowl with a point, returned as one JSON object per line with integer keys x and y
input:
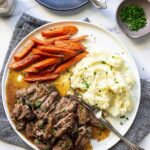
{"x": 145, "y": 4}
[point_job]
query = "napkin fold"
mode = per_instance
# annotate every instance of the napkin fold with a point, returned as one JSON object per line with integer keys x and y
{"x": 139, "y": 129}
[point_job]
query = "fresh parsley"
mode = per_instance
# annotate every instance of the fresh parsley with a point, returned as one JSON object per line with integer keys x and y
{"x": 133, "y": 16}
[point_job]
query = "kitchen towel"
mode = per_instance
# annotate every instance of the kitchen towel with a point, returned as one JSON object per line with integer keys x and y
{"x": 139, "y": 129}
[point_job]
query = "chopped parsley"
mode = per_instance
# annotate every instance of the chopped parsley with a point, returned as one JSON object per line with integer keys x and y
{"x": 41, "y": 124}
{"x": 37, "y": 104}
{"x": 121, "y": 117}
{"x": 103, "y": 62}
{"x": 87, "y": 85}
{"x": 53, "y": 131}
{"x": 127, "y": 118}
{"x": 95, "y": 73}
{"x": 133, "y": 16}
{"x": 68, "y": 144}
{"x": 19, "y": 100}
{"x": 115, "y": 80}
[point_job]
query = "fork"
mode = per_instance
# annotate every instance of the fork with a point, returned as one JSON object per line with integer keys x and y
{"x": 107, "y": 124}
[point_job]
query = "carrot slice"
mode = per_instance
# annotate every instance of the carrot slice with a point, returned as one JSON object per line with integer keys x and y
{"x": 24, "y": 62}
{"x": 44, "y": 77}
{"x": 40, "y": 52}
{"x": 80, "y": 38}
{"x": 49, "y": 41}
{"x": 47, "y": 62}
{"x": 67, "y": 44}
{"x": 59, "y": 31}
{"x": 69, "y": 63}
{"x": 26, "y": 49}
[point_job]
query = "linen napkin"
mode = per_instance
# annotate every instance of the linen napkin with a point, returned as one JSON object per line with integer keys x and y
{"x": 139, "y": 129}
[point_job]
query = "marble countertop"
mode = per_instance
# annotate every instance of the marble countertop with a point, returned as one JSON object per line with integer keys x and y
{"x": 139, "y": 48}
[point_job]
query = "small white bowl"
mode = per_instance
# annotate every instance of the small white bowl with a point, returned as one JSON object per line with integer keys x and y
{"x": 145, "y": 4}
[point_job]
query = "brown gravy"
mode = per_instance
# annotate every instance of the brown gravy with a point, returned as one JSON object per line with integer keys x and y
{"x": 15, "y": 81}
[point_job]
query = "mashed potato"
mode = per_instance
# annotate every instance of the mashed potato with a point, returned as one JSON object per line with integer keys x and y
{"x": 104, "y": 81}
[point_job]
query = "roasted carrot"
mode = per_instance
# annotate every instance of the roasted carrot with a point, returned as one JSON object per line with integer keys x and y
{"x": 55, "y": 50}
{"x": 44, "y": 71}
{"x": 80, "y": 38}
{"x": 64, "y": 37}
{"x": 26, "y": 49}
{"x": 47, "y": 70}
{"x": 67, "y": 57}
{"x": 49, "y": 41}
{"x": 31, "y": 70}
{"x": 69, "y": 63}
{"x": 59, "y": 31}
{"x": 67, "y": 44}
{"x": 39, "y": 41}
{"x": 53, "y": 32}
{"x": 40, "y": 52}
{"x": 70, "y": 29}
{"x": 43, "y": 77}
{"x": 24, "y": 62}
{"x": 47, "y": 62}
{"x": 51, "y": 48}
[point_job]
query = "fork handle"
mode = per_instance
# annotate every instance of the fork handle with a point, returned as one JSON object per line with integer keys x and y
{"x": 109, "y": 126}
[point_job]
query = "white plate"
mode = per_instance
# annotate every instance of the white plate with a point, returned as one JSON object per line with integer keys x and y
{"x": 100, "y": 38}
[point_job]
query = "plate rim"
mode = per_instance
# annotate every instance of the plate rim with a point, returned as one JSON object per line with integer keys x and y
{"x": 61, "y": 9}
{"x": 6, "y": 69}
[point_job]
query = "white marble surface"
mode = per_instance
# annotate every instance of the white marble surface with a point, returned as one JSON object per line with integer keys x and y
{"x": 139, "y": 48}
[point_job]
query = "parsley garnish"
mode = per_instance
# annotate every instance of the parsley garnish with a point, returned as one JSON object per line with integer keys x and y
{"x": 37, "y": 103}
{"x": 94, "y": 73}
{"x": 103, "y": 62}
{"x": 53, "y": 130}
{"x": 121, "y": 117}
{"x": 87, "y": 85}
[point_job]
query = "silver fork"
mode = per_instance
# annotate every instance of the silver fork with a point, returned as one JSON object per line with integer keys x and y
{"x": 107, "y": 124}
